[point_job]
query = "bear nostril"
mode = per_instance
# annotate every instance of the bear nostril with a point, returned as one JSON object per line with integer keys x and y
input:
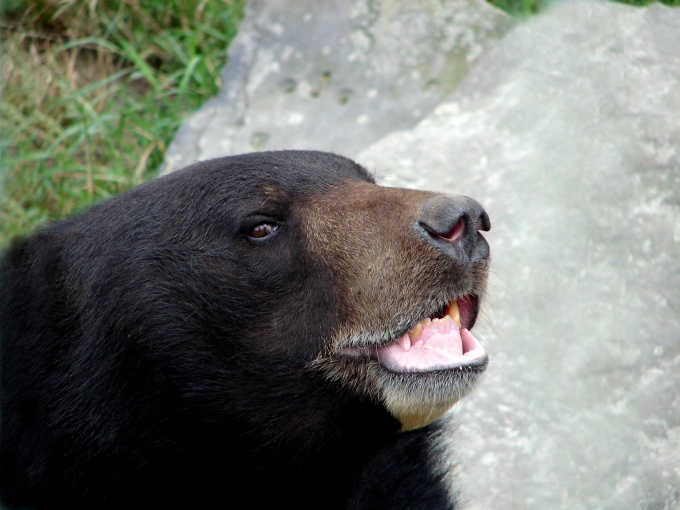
{"x": 454, "y": 235}
{"x": 454, "y": 221}
{"x": 447, "y": 218}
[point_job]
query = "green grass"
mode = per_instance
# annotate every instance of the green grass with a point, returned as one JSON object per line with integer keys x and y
{"x": 524, "y": 8}
{"x": 92, "y": 93}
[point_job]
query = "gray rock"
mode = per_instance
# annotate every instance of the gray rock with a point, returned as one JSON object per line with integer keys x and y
{"x": 568, "y": 131}
{"x": 335, "y": 75}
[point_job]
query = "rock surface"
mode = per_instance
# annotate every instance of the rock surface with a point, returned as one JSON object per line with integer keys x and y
{"x": 568, "y": 130}
{"x": 335, "y": 75}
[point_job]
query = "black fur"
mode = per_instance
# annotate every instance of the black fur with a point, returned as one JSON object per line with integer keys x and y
{"x": 155, "y": 353}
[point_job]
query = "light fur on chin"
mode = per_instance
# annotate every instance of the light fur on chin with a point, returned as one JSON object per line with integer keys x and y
{"x": 411, "y": 416}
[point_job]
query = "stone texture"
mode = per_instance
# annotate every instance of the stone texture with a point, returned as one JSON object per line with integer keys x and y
{"x": 335, "y": 75}
{"x": 569, "y": 132}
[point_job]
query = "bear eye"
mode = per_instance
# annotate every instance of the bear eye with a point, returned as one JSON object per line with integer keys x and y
{"x": 263, "y": 230}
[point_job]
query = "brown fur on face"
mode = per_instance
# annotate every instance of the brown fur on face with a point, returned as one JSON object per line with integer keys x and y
{"x": 389, "y": 274}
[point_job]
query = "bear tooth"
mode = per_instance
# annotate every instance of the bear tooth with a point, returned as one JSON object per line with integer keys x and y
{"x": 415, "y": 332}
{"x": 453, "y": 312}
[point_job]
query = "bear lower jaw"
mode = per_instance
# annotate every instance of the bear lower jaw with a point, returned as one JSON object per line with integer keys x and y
{"x": 423, "y": 373}
{"x": 417, "y": 399}
{"x": 442, "y": 342}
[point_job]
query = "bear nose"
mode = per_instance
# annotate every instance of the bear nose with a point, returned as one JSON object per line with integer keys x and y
{"x": 453, "y": 223}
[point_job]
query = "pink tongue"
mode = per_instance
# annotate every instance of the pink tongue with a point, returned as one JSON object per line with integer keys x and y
{"x": 440, "y": 346}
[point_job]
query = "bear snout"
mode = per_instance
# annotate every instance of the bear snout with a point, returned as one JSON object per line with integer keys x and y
{"x": 453, "y": 225}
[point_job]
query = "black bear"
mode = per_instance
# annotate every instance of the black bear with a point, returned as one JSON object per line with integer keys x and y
{"x": 272, "y": 328}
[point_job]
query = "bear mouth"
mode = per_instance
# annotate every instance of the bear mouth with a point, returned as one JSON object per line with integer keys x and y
{"x": 442, "y": 341}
